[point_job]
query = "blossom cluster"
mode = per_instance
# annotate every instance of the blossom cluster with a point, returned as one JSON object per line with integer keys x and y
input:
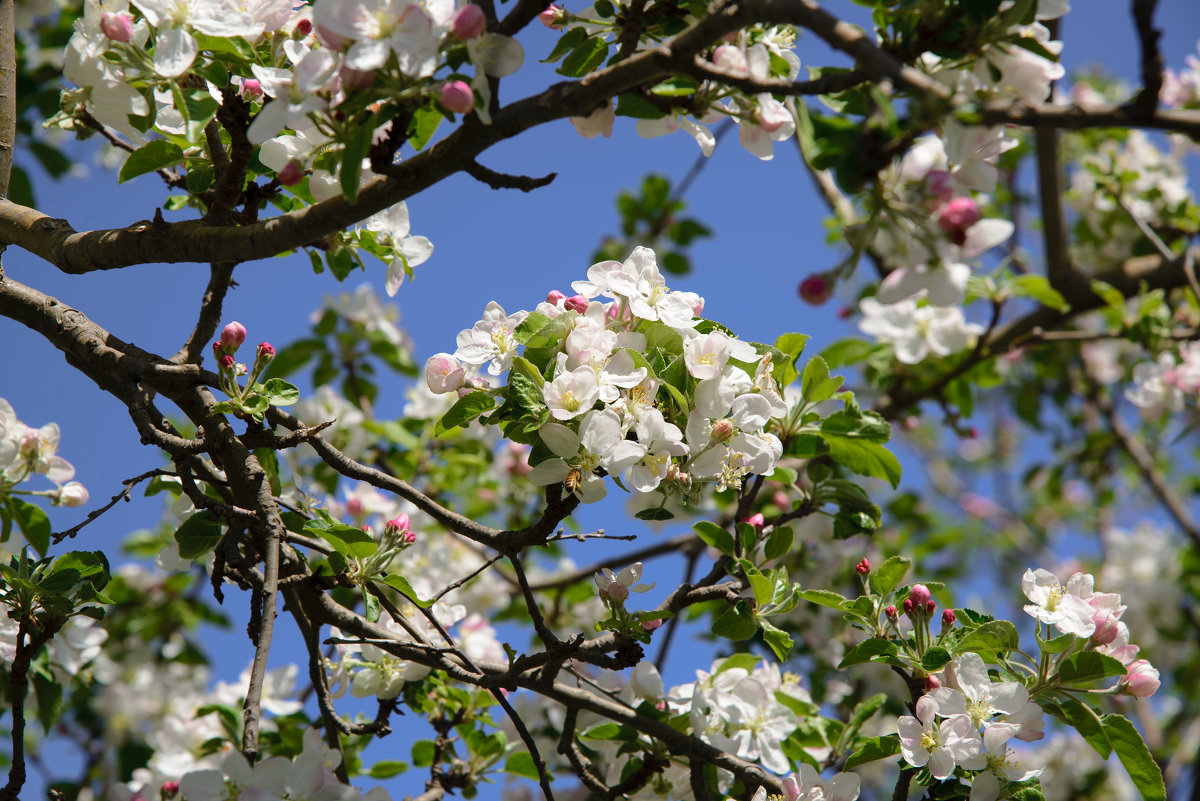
{"x": 1076, "y": 608}
{"x": 26, "y": 452}
{"x": 598, "y": 392}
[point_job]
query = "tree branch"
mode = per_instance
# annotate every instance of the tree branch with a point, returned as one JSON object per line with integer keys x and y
{"x": 8, "y": 92}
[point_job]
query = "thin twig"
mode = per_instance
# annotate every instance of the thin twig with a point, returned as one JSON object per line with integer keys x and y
{"x": 129, "y": 483}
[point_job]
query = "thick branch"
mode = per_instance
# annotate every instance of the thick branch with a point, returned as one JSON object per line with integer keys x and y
{"x": 8, "y": 92}
{"x": 1075, "y": 117}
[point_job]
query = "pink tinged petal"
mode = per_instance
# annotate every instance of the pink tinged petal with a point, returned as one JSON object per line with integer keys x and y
{"x": 174, "y": 52}
{"x": 704, "y": 137}
{"x": 60, "y": 470}
{"x": 395, "y": 276}
{"x": 1009, "y": 697}
{"x": 902, "y": 283}
{"x": 927, "y": 709}
{"x": 950, "y": 701}
{"x": 997, "y": 735}
{"x": 756, "y": 140}
{"x": 985, "y": 787}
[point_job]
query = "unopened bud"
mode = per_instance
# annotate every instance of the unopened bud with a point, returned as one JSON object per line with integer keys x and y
{"x": 304, "y": 26}
{"x": 552, "y": 17}
{"x": 233, "y": 336}
{"x": 617, "y": 591}
{"x": 863, "y": 567}
{"x": 456, "y": 96}
{"x": 576, "y": 303}
{"x": 468, "y": 22}
{"x": 117, "y": 26}
{"x": 756, "y": 520}
{"x": 651, "y": 625}
{"x": 554, "y": 296}
{"x": 290, "y": 175}
{"x": 781, "y": 501}
{"x": 169, "y": 789}
{"x": 932, "y": 683}
{"x": 722, "y": 430}
{"x": 265, "y": 353}
{"x": 919, "y": 594}
{"x": 251, "y": 89}
{"x": 939, "y": 184}
{"x": 957, "y": 216}
{"x": 226, "y": 361}
{"x": 815, "y": 289}
{"x": 907, "y": 606}
{"x": 354, "y": 507}
{"x": 71, "y": 494}
{"x": 948, "y": 618}
{"x": 444, "y": 373}
{"x": 891, "y": 612}
{"x": 397, "y": 525}
{"x": 930, "y": 607}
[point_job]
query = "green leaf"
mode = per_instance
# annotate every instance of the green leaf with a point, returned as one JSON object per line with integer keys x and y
{"x": 847, "y": 351}
{"x": 656, "y": 513}
{"x": 373, "y": 608}
{"x": 521, "y": 764}
{"x": 737, "y": 623}
{"x": 874, "y": 749}
{"x": 33, "y": 523}
{"x": 779, "y": 641}
{"x": 868, "y": 651}
{"x": 1112, "y": 296}
{"x": 744, "y": 661}
{"x": 424, "y": 125}
{"x": 816, "y": 385}
{"x": 422, "y": 753}
{"x": 864, "y": 457}
{"x": 197, "y": 107}
{"x": 826, "y": 598}
{"x": 400, "y": 583}
{"x": 280, "y": 392}
{"x": 1088, "y": 666}
{"x": 1038, "y": 288}
{"x": 49, "y": 692}
{"x": 350, "y": 173}
{"x": 74, "y": 567}
{"x": 198, "y": 535}
{"x": 778, "y": 543}
{"x": 676, "y": 86}
{"x": 604, "y": 731}
{"x": 935, "y": 659}
{"x": 387, "y": 768}
{"x": 636, "y": 107}
{"x": 888, "y": 575}
{"x": 565, "y": 44}
{"x": 714, "y": 535}
{"x": 991, "y": 638}
{"x": 464, "y": 410}
{"x": 584, "y": 58}
{"x": 149, "y": 157}
{"x": 861, "y": 714}
{"x": 531, "y": 325}
{"x": 1135, "y": 756}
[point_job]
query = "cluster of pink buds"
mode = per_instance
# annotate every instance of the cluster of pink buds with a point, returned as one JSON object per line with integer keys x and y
{"x": 553, "y": 17}
{"x": 224, "y": 349}
{"x": 397, "y": 531}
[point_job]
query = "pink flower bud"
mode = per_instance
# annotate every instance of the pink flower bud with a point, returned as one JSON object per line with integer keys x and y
{"x": 443, "y": 373}
{"x": 722, "y": 430}
{"x": 919, "y": 594}
{"x": 397, "y": 525}
{"x": 948, "y": 618}
{"x": 304, "y": 26}
{"x": 731, "y": 59}
{"x": 265, "y": 353}
{"x": 651, "y": 625}
{"x": 552, "y": 17}
{"x": 845, "y": 312}
{"x": 226, "y": 361}
{"x": 756, "y": 520}
{"x": 170, "y": 788}
{"x": 891, "y": 612}
{"x": 957, "y": 216}
{"x": 930, "y": 607}
{"x": 698, "y": 309}
{"x": 1141, "y": 679}
{"x": 117, "y": 26}
{"x": 863, "y": 567}
{"x": 554, "y": 296}
{"x": 290, "y": 175}
{"x": 815, "y": 289}
{"x": 1107, "y": 628}
{"x": 251, "y": 89}
{"x": 907, "y": 606}
{"x": 354, "y": 507}
{"x": 218, "y": 351}
{"x": 456, "y": 96}
{"x": 576, "y": 303}
{"x": 468, "y": 22}
{"x": 233, "y": 336}
{"x": 781, "y": 501}
{"x": 932, "y": 683}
